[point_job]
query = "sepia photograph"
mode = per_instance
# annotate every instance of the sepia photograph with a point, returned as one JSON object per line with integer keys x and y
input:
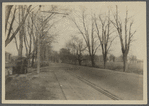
{"x": 74, "y": 53}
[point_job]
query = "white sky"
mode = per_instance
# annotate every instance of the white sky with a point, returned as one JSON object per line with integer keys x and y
{"x": 66, "y": 28}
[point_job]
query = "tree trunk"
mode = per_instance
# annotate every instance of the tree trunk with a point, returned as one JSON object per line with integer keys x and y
{"x": 7, "y": 14}
{"x": 105, "y": 60}
{"x": 79, "y": 58}
{"x": 124, "y": 62}
{"x": 104, "y": 63}
{"x": 38, "y": 54}
{"x": 92, "y": 60}
{"x": 80, "y": 62}
{"x": 47, "y": 50}
{"x": 33, "y": 60}
{"x": 21, "y": 33}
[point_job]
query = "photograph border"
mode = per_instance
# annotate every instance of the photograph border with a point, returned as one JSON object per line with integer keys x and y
{"x": 144, "y": 101}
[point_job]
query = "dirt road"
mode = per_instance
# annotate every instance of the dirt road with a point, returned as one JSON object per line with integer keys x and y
{"x": 70, "y": 82}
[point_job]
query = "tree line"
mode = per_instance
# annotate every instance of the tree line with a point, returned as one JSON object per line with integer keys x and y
{"x": 98, "y": 32}
{"x": 28, "y": 25}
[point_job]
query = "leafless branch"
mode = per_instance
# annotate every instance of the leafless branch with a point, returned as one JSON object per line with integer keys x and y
{"x": 18, "y": 28}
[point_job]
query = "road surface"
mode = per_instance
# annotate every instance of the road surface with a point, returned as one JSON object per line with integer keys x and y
{"x": 70, "y": 82}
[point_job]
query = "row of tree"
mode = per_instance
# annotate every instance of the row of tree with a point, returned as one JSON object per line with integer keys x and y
{"x": 101, "y": 30}
{"x": 70, "y": 56}
{"x": 31, "y": 28}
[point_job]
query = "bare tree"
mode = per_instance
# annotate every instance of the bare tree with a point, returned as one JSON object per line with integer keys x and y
{"x": 42, "y": 29}
{"x": 22, "y": 32}
{"x": 76, "y": 47}
{"x": 34, "y": 26}
{"x": 9, "y": 33}
{"x": 7, "y": 14}
{"x": 88, "y": 35}
{"x": 104, "y": 35}
{"x": 28, "y": 36}
{"x": 126, "y": 37}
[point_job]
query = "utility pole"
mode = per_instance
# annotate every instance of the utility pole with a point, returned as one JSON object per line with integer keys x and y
{"x": 21, "y": 32}
{"x": 38, "y": 52}
{"x": 47, "y": 53}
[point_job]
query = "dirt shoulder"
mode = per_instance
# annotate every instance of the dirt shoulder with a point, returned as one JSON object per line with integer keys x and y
{"x": 33, "y": 87}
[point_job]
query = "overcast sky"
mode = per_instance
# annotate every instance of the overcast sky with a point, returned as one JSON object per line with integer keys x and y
{"x": 66, "y": 28}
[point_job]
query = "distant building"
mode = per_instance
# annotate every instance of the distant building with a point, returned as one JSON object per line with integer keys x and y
{"x": 7, "y": 57}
